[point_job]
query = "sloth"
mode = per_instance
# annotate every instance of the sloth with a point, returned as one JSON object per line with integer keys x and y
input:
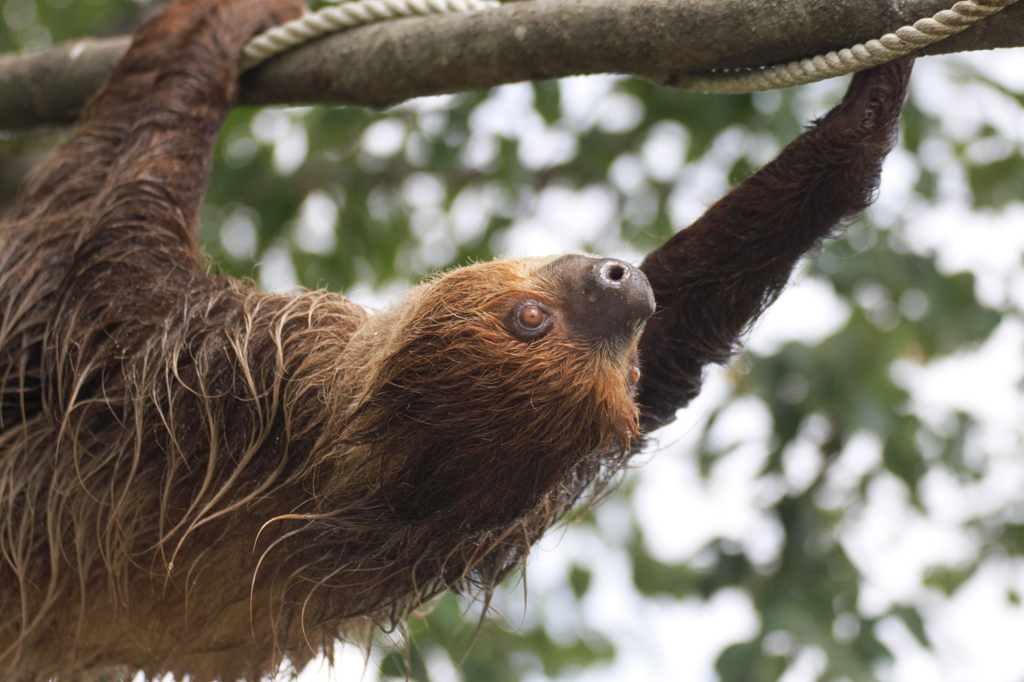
{"x": 202, "y": 479}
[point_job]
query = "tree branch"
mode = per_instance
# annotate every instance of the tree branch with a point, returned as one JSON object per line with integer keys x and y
{"x": 383, "y": 64}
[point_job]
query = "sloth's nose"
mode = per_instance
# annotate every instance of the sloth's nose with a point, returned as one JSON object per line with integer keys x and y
{"x": 619, "y": 294}
{"x": 607, "y": 300}
{"x": 613, "y": 274}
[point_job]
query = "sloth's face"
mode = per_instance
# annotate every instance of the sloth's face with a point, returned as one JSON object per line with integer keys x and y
{"x": 594, "y": 306}
{"x": 539, "y": 310}
{"x": 505, "y": 379}
{"x": 603, "y": 302}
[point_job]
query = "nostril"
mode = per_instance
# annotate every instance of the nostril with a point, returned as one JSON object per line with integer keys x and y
{"x": 613, "y": 272}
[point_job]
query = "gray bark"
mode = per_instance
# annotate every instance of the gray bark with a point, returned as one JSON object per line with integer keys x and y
{"x": 384, "y": 64}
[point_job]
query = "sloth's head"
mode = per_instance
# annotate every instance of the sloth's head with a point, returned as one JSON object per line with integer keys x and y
{"x": 497, "y": 382}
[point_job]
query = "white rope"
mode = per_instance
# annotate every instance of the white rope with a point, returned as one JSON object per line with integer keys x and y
{"x": 899, "y": 43}
{"x": 891, "y": 46}
{"x": 358, "y": 12}
{"x": 347, "y": 15}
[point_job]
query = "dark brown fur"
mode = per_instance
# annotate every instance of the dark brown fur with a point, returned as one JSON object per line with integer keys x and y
{"x": 203, "y": 479}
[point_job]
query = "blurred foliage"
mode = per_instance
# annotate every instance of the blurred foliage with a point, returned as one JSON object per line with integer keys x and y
{"x": 348, "y": 197}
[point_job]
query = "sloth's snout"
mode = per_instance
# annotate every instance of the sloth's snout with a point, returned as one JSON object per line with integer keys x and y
{"x": 606, "y": 299}
{"x": 619, "y": 293}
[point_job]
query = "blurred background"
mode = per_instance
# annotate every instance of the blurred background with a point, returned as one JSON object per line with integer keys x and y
{"x": 844, "y": 502}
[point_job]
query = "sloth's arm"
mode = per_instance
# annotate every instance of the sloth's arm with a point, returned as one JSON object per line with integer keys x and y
{"x": 77, "y": 173}
{"x": 139, "y": 164}
{"x": 114, "y": 217}
{"x": 713, "y": 279}
{"x": 117, "y": 127}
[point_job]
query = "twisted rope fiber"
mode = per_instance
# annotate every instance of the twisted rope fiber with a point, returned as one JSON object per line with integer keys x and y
{"x": 902, "y": 41}
{"x": 899, "y": 43}
{"x": 347, "y": 15}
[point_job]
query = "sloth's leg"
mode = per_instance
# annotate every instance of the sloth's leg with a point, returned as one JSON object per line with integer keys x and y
{"x": 132, "y": 257}
{"x": 72, "y": 178}
{"x": 157, "y": 180}
{"x": 114, "y": 211}
{"x": 713, "y": 279}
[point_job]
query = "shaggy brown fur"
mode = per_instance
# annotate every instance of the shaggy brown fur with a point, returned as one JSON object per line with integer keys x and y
{"x": 202, "y": 479}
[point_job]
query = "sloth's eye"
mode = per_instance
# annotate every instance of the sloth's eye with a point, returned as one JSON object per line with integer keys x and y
{"x": 531, "y": 317}
{"x": 531, "y": 320}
